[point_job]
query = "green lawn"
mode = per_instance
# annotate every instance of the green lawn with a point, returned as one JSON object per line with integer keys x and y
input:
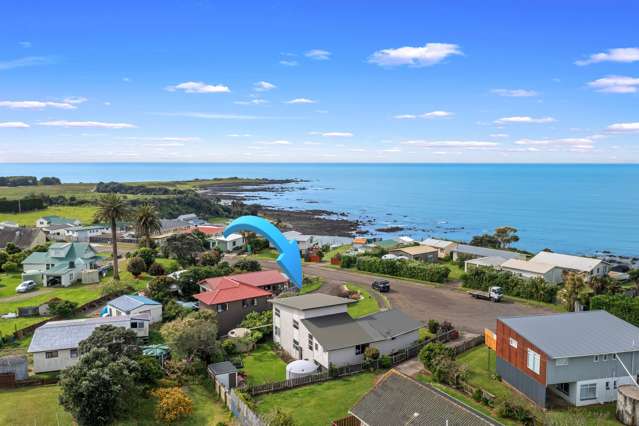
{"x": 321, "y": 403}
{"x": 337, "y": 250}
{"x": 314, "y": 285}
{"x": 8, "y": 284}
{"x": 83, "y": 213}
{"x": 170, "y": 265}
{"x": 455, "y": 271}
{"x": 425, "y": 334}
{"x": 263, "y": 365}
{"x": 266, "y": 254}
{"x": 367, "y": 305}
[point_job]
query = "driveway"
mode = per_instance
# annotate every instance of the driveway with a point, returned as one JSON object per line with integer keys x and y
{"x": 424, "y": 302}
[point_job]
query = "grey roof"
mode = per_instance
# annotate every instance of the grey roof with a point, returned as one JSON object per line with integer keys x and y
{"x": 21, "y": 237}
{"x": 127, "y": 303}
{"x": 56, "y": 335}
{"x": 311, "y": 301}
{"x": 577, "y": 334}
{"x": 486, "y": 252}
{"x": 12, "y": 360}
{"x": 341, "y": 331}
{"x": 399, "y": 400}
{"x": 224, "y": 367}
{"x": 487, "y": 261}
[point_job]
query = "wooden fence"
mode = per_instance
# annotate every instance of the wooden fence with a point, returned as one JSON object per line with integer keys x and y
{"x": 236, "y": 404}
{"x": 347, "y": 421}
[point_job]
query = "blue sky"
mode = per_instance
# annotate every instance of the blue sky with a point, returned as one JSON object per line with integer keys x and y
{"x": 319, "y": 81}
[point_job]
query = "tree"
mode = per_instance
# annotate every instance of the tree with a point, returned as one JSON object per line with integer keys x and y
{"x": 147, "y": 222}
{"x": 62, "y": 308}
{"x": 173, "y": 404}
{"x": 506, "y": 236}
{"x": 156, "y": 270}
{"x": 485, "y": 240}
{"x": 371, "y": 353}
{"x": 188, "y": 281}
{"x": 159, "y": 288}
{"x": 112, "y": 287}
{"x": 146, "y": 253}
{"x": 172, "y": 310}
{"x": 575, "y": 290}
{"x": 604, "y": 285}
{"x": 98, "y": 387}
{"x": 10, "y": 267}
{"x": 117, "y": 341}
{"x": 11, "y": 248}
{"x": 193, "y": 335}
{"x": 183, "y": 247}
{"x": 211, "y": 258}
{"x": 248, "y": 265}
{"x": 433, "y": 350}
{"x": 150, "y": 371}
{"x": 136, "y": 266}
{"x": 111, "y": 209}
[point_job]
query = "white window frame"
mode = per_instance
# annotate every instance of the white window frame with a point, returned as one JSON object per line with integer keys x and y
{"x": 513, "y": 342}
{"x": 51, "y": 354}
{"x": 222, "y": 307}
{"x": 73, "y": 353}
{"x": 595, "y": 358}
{"x": 533, "y": 361}
{"x": 589, "y": 386}
{"x": 561, "y": 362}
{"x": 296, "y": 325}
{"x": 277, "y": 312}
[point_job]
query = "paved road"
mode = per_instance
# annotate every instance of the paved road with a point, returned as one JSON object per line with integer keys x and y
{"x": 424, "y": 302}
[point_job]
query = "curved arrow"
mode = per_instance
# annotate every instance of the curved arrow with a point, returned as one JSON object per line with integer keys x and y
{"x": 289, "y": 258}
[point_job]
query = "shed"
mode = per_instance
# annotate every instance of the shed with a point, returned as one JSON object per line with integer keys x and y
{"x": 90, "y": 276}
{"x": 225, "y": 372}
{"x": 16, "y": 365}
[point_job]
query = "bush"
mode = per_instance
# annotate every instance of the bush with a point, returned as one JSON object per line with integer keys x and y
{"x": 62, "y": 308}
{"x": 156, "y": 270}
{"x": 228, "y": 347}
{"x": 445, "y": 327}
{"x": 513, "y": 285}
{"x": 624, "y": 307}
{"x": 159, "y": 288}
{"x": 136, "y": 266}
{"x": 385, "y": 361}
{"x": 278, "y": 417}
{"x": 112, "y": 287}
{"x": 172, "y": 310}
{"x": 248, "y": 265}
{"x": 433, "y": 326}
{"x": 404, "y": 268}
{"x": 150, "y": 371}
{"x": 211, "y": 258}
{"x": 173, "y": 404}
{"x": 371, "y": 353}
{"x": 147, "y": 254}
{"x": 348, "y": 261}
{"x": 432, "y": 351}
{"x": 509, "y": 410}
{"x": 10, "y": 267}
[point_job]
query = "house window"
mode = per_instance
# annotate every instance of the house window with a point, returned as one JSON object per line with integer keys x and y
{"x": 561, "y": 361}
{"x": 52, "y": 354}
{"x": 359, "y": 349}
{"x": 588, "y": 392}
{"x": 137, "y": 324}
{"x": 255, "y": 302}
{"x": 296, "y": 325}
{"x": 317, "y": 348}
{"x": 512, "y": 342}
{"x": 221, "y": 307}
{"x": 296, "y": 345}
{"x": 604, "y": 358}
{"x": 563, "y": 388}
{"x": 73, "y": 353}
{"x": 310, "y": 342}
{"x": 614, "y": 384}
{"x": 276, "y": 330}
{"x": 607, "y": 385}
{"x": 277, "y": 312}
{"x": 247, "y": 303}
{"x": 533, "y": 361}
{"x": 595, "y": 358}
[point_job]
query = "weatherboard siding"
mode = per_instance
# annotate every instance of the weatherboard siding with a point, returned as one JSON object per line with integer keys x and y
{"x": 518, "y": 357}
{"x": 585, "y": 368}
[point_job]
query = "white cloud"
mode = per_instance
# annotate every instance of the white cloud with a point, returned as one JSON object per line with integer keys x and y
{"x": 263, "y": 86}
{"x": 458, "y": 144}
{"x": 289, "y": 63}
{"x": 391, "y": 150}
{"x": 215, "y": 116}
{"x": 126, "y": 79}
{"x": 28, "y": 61}
{"x": 615, "y": 84}
{"x": 514, "y": 93}
{"x": 318, "y": 54}
{"x": 312, "y": 143}
{"x": 252, "y": 102}
{"x": 199, "y": 87}
{"x": 357, "y": 150}
{"x": 239, "y": 135}
{"x": 301, "y": 101}
{"x": 405, "y": 117}
{"x": 36, "y": 105}
{"x": 623, "y": 54}
{"x": 86, "y": 124}
{"x": 559, "y": 141}
{"x": 333, "y": 134}
{"x": 162, "y": 138}
{"x": 275, "y": 142}
{"x": 624, "y": 127}
{"x": 525, "y": 119}
{"x": 437, "y": 114}
{"x": 13, "y": 125}
{"x": 499, "y": 135}
{"x": 429, "y": 54}
{"x": 75, "y": 100}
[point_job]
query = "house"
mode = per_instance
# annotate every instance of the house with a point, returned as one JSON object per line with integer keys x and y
{"x": 304, "y": 242}
{"x": 84, "y": 233}
{"x": 45, "y": 221}
{"x": 387, "y": 244}
{"x": 582, "y": 265}
{"x": 444, "y": 247}
{"x": 397, "y": 399}
{"x": 230, "y": 243}
{"x": 318, "y": 328}
{"x": 231, "y": 300}
{"x": 56, "y": 232}
{"x": 62, "y": 264}
{"x": 192, "y": 219}
{"x": 467, "y": 252}
{"x": 133, "y": 305}
{"x": 23, "y": 238}
{"x": 55, "y": 344}
{"x": 581, "y": 357}
{"x": 8, "y": 224}
{"x": 171, "y": 226}
{"x": 484, "y": 262}
{"x": 423, "y": 253}
{"x": 528, "y": 269}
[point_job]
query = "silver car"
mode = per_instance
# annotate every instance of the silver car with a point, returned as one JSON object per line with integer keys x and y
{"x": 26, "y": 286}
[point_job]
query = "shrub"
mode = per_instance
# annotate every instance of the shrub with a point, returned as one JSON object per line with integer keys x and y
{"x": 248, "y": 265}
{"x": 147, "y": 254}
{"x": 228, "y": 347}
{"x": 385, "y": 361}
{"x": 348, "y": 261}
{"x": 510, "y": 410}
{"x": 433, "y": 326}
{"x": 433, "y": 350}
{"x": 513, "y": 285}
{"x": 112, "y": 287}
{"x": 10, "y": 267}
{"x": 280, "y": 418}
{"x": 477, "y": 395}
{"x": 445, "y": 327}
{"x": 150, "y": 371}
{"x": 371, "y": 353}
{"x": 62, "y": 308}
{"x": 624, "y": 307}
{"x": 136, "y": 266}
{"x": 173, "y": 404}
{"x": 211, "y": 258}
{"x": 404, "y": 268}
{"x": 172, "y": 310}
{"x": 155, "y": 270}
{"x": 159, "y": 288}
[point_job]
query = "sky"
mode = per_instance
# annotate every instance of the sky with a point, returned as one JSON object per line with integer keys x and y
{"x": 320, "y": 81}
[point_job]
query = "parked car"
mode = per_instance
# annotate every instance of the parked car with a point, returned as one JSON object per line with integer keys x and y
{"x": 383, "y": 286}
{"x": 26, "y": 286}
{"x": 105, "y": 269}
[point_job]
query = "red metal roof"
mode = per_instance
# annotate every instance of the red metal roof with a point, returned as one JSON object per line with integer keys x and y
{"x": 225, "y": 289}
{"x": 207, "y": 229}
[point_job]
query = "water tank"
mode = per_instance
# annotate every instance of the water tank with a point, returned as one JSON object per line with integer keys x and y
{"x": 300, "y": 368}
{"x": 628, "y": 405}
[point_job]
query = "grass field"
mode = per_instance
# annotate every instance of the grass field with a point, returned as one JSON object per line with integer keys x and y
{"x": 263, "y": 365}
{"x": 337, "y": 250}
{"x": 8, "y": 284}
{"x": 321, "y": 403}
{"x": 367, "y": 305}
{"x": 83, "y": 213}
{"x": 456, "y": 272}
{"x": 314, "y": 285}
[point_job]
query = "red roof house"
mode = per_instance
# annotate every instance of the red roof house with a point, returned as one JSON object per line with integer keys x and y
{"x": 271, "y": 280}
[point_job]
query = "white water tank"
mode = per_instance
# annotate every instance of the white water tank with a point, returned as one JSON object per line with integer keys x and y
{"x": 300, "y": 368}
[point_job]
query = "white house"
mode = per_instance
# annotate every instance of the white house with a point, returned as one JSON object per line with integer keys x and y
{"x": 84, "y": 233}
{"x": 304, "y": 242}
{"x": 55, "y": 344}
{"x": 527, "y": 269}
{"x": 62, "y": 264}
{"x": 444, "y": 247}
{"x": 134, "y": 305}
{"x": 45, "y": 221}
{"x": 317, "y": 327}
{"x": 230, "y": 243}
{"x": 585, "y": 265}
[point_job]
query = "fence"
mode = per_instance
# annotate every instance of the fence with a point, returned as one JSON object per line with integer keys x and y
{"x": 347, "y": 421}
{"x": 240, "y": 409}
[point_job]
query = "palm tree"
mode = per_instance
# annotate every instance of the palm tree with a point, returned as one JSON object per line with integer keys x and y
{"x": 147, "y": 222}
{"x": 111, "y": 209}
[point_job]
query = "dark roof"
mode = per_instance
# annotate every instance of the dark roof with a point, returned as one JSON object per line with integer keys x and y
{"x": 311, "y": 301}
{"x": 341, "y": 331}
{"x": 13, "y": 360}
{"x": 488, "y": 252}
{"x": 224, "y": 367}
{"x": 574, "y": 334}
{"x": 399, "y": 400}
{"x": 21, "y": 237}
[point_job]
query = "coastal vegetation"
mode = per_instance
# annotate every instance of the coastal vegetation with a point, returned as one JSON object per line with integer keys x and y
{"x": 513, "y": 285}
{"x": 400, "y": 268}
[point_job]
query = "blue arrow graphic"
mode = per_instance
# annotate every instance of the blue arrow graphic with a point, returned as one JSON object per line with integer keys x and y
{"x": 289, "y": 258}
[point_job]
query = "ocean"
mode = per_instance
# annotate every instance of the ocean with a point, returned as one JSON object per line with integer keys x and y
{"x": 579, "y": 209}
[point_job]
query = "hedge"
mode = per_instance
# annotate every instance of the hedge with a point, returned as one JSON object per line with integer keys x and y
{"x": 511, "y": 284}
{"x": 624, "y": 307}
{"x": 18, "y": 206}
{"x": 403, "y": 268}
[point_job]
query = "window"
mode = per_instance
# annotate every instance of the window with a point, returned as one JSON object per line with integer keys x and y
{"x": 607, "y": 385}
{"x": 533, "y": 361}
{"x": 137, "y": 324}
{"x": 310, "y": 342}
{"x": 563, "y": 388}
{"x": 221, "y": 307}
{"x": 247, "y": 303}
{"x": 317, "y": 348}
{"x": 614, "y": 384}
{"x": 296, "y": 345}
{"x": 73, "y": 353}
{"x": 588, "y": 392}
{"x": 276, "y": 330}
{"x": 561, "y": 361}
{"x": 595, "y": 358}
{"x": 513, "y": 342}
{"x": 52, "y": 354}
{"x": 604, "y": 358}
{"x": 359, "y": 349}
{"x": 296, "y": 325}
{"x": 277, "y": 312}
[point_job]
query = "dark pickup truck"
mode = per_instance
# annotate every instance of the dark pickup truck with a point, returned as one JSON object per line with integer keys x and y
{"x": 382, "y": 286}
